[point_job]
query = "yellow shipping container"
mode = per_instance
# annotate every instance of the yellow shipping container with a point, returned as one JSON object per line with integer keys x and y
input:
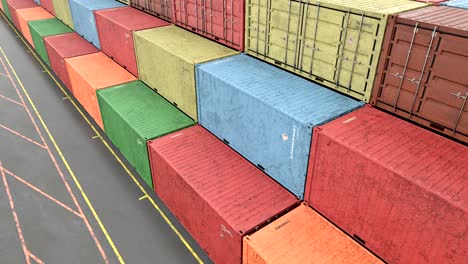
{"x": 63, "y": 13}
{"x": 166, "y": 58}
{"x": 334, "y": 42}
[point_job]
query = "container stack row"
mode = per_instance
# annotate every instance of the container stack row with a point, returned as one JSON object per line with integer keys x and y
{"x": 273, "y": 156}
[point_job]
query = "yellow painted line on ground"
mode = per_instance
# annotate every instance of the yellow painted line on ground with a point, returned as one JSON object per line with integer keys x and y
{"x": 77, "y": 183}
{"x": 143, "y": 197}
{"x": 153, "y": 203}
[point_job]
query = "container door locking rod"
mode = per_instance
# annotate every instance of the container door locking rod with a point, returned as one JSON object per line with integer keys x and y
{"x": 356, "y": 49}
{"x": 402, "y": 77}
{"x": 314, "y": 47}
{"x": 341, "y": 54}
{"x": 428, "y": 53}
{"x": 464, "y": 97}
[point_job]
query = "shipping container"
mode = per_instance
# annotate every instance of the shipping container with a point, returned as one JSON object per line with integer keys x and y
{"x": 220, "y": 20}
{"x": 123, "y": 1}
{"x": 30, "y": 14}
{"x": 49, "y": 6}
{"x": 216, "y": 194}
{"x": 457, "y": 3}
{"x": 303, "y": 236}
{"x": 90, "y": 73}
{"x": 177, "y": 51}
{"x": 37, "y": 2}
{"x": 63, "y": 13}
{"x": 116, "y": 26}
{"x": 432, "y": 2}
{"x": 14, "y": 5}
{"x": 333, "y": 42}
{"x": 132, "y": 114}
{"x": 399, "y": 189}
{"x": 44, "y": 28}
{"x": 82, "y": 12}
{"x": 65, "y": 46}
{"x": 266, "y": 114}
{"x": 1, "y": 6}
{"x": 5, "y": 9}
{"x": 422, "y": 73}
{"x": 161, "y": 8}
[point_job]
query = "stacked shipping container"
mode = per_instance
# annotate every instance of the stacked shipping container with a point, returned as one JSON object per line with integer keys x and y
{"x": 422, "y": 72}
{"x": 30, "y": 14}
{"x": 15, "y": 5}
{"x": 360, "y": 165}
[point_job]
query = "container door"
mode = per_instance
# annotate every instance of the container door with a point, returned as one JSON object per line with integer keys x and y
{"x": 189, "y": 13}
{"x": 223, "y": 20}
{"x": 321, "y": 41}
{"x": 410, "y": 55}
{"x": 285, "y": 33}
{"x": 357, "y": 49}
{"x": 257, "y": 24}
{"x": 159, "y": 8}
{"x": 445, "y": 99}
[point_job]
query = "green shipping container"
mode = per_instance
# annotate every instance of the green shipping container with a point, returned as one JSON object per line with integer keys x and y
{"x": 133, "y": 114}
{"x": 63, "y": 13}
{"x": 6, "y": 10}
{"x": 44, "y": 28}
{"x": 166, "y": 58}
{"x": 333, "y": 42}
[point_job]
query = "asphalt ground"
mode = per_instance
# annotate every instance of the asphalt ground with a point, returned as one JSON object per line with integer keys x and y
{"x": 66, "y": 194}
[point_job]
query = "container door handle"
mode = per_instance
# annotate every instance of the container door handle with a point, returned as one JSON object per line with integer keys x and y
{"x": 415, "y": 30}
{"x": 428, "y": 53}
{"x": 287, "y": 34}
{"x": 355, "y": 53}
{"x": 464, "y": 97}
{"x": 314, "y": 47}
{"x": 342, "y": 43}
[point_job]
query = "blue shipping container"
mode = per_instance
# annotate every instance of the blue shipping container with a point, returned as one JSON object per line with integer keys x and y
{"x": 82, "y": 12}
{"x": 457, "y": 3}
{"x": 38, "y": 1}
{"x": 266, "y": 114}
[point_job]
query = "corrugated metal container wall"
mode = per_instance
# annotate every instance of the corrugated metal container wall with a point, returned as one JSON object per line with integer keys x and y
{"x": 115, "y": 27}
{"x": 48, "y": 5}
{"x": 340, "y": 49}
{"x": 457, "y": 3}
{"x": 123, "y": 1}
{"x": 132, "y": 114}
{"x": 173, "y": 73}
{"x": 66, "y": 46}
{"x": 30, "y": 14}
{"x": 82, "y": 12}
{"x": 14, "y": 5}
{"x": 401, "y": 189}
{"x": 90, "y": 73}
{"x": 422, "y": 75}
{"x": 432, "y": 2}
{"x": 63, "y": 13}
{"x": 220, "y": 20}
{"x": 163, "y": 9}
{"x": 216, "y": 194}
{"x": 6, "y": 10}
{"x": 43, "y": 28}
{"x": 303, "y": 236}
{"x": 266, "y": 114}
{"x": 1, "y": 5}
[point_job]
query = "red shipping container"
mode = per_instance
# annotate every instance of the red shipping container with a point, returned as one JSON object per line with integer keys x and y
{"x": 60, "y": 47}
{"x": 422, "y": 74}
{"x": 14, "y": 5}
{"x": 220, "y": 20}
{"x": 48, "y": 5}
{"x": 398, "y": 188}
{"x": 215, "y": 193}
{"x": 115, "y": 27}
{"x": 161, "y": 8}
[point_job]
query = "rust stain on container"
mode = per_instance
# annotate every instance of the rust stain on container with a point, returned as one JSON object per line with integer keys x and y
{"x": 215, "y": 193}
{"x": 400, "y": 189}
{"x": 422, "y": 74}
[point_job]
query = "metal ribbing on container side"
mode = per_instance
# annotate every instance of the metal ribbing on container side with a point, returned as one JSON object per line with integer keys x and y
{"x": 440, "y": 16}
{"x": 216, "y": 194}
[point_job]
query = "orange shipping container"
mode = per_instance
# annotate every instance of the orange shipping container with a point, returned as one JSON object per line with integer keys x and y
{"x": 303, "y": 236}
{"x": 90, "y": 73}
{"x": 30, "y": 14}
